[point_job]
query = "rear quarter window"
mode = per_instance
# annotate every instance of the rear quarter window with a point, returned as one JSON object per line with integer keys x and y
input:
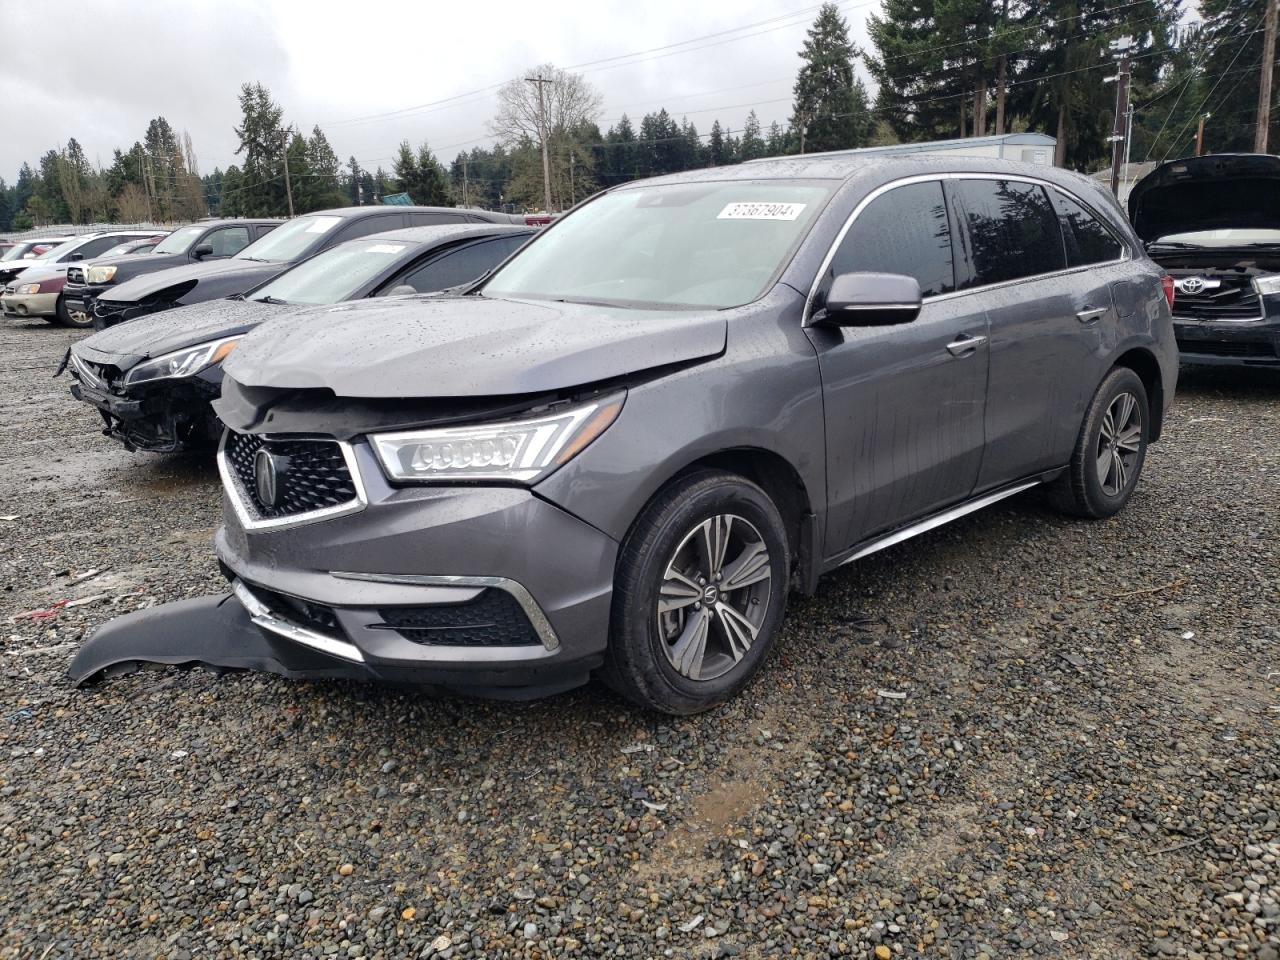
{"x": 1088, "y": 239}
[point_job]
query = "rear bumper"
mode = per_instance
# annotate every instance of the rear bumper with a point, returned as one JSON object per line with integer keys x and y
{"x": 17, "y": 306}
{"x": 1242, "y": 343}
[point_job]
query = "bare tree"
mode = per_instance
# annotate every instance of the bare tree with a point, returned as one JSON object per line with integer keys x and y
{"x": 72, "y": 183}
{"x": 131, "y": 204}
{"x": 570, "y": 101}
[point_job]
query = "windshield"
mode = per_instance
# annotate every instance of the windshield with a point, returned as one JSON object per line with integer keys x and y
{"x": 334, "y": 275}
{"x": 1228, "y": 237}
{"x": 179, "y": 241}
{"x": 289, "y": 241}
{"x": 687, "y": 244}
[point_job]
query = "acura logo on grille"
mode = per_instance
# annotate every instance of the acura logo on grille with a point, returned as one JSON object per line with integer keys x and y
{"x": 1194, "y": 285}
{"x": 268, "y": 468}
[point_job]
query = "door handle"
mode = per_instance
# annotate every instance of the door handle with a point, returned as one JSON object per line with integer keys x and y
{"x": 1090, "y": 315}
{"x": 965, "y": 345}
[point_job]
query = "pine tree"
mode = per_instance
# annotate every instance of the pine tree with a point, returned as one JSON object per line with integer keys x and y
{"x": 422, "y": 176}
{"x": 830, "y": 111}
{"x": 262, "y": 141}
{"x": 753, "y": 145}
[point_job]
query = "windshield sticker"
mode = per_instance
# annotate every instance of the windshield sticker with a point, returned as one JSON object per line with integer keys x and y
{"x": 759, "y": 210}
{"x": 384, "y": 248}
{"x": 322, "y": 224}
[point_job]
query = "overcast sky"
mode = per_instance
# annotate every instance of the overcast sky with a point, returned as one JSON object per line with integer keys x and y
{"x": 98, "y": 70}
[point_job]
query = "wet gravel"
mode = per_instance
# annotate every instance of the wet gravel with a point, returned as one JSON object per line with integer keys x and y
{"x": 1017, "y": 736}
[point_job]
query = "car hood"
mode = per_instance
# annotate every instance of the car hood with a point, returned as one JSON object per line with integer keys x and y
{"x": 44, "y": 271}
{"x": 156, "y": 334}
{"x": 1240, "y": 190}
{"x": 419, "y": 347}
{"x": 240, "y": 273}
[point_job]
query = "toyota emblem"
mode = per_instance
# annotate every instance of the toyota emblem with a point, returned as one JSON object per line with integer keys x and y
{"x": 1192, "y": 285}
{"x": 267, "y": 469}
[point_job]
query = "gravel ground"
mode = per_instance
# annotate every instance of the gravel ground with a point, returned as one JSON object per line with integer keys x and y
{"x": 1019, "y": 735}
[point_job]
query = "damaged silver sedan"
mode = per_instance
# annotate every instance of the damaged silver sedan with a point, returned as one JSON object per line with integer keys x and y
{"x": 689, "y": 397}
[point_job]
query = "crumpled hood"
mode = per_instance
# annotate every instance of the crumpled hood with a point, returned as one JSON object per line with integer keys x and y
{"x": 419, "y": 347}
{"x": 217, "y": 278}
{"x": 1240, "y": 190}
{"x": 159, "y": 333}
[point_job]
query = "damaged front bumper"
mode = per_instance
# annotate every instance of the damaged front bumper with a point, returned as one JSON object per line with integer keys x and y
{"x": 160, "y": 417}
{"x": 1235, "y": 343}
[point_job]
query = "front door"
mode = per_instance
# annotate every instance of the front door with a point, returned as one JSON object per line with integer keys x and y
{"x": 903, "y": 404}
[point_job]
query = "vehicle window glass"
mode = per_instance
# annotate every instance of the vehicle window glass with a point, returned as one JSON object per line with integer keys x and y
{"x": 229, "y": 241}
{"x": 370, "y": 225}
{"x": 96, "y": 247}
{"x": 457, "y": 266}
{"x": 52, "y": 255}
{"x": 1088, "y": 239}
{"x": 335, "y": 274}
{"x": 262, "y": 229}
{"x": 903, "y": 231}
{"x": 714, "y": 244}
{"x": 427, "y": 219}
{"x": 1013, "y": 230}
{"x": 179, "y": 241}
{"x": 292, "y": 240}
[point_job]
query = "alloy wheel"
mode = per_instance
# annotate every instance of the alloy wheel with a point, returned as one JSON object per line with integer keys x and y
{"x": 1119, "y": 443}
{"x": 714, "y": 596}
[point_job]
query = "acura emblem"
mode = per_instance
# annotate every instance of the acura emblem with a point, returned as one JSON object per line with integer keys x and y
{"x": 267, "y": 470}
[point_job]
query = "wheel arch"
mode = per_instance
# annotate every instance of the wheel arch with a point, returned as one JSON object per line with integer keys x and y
{"x": 1144, "y": 363}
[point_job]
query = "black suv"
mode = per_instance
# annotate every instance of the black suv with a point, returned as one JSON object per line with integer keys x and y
{"x": 206, "y": 240}
{"x": 291, "y": 243}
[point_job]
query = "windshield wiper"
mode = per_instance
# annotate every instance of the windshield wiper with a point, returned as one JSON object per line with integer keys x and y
{"x": 269, "y": 299}
{"x": 1173, "y": 244}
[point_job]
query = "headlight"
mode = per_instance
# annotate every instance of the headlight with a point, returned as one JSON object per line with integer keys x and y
{"x": 181, "y": 363}
{"x": 1265, "y": 285}
{"x": 100, "y": 274}
{"x": 519, "y": 450}
{"x": 27, "y": 288}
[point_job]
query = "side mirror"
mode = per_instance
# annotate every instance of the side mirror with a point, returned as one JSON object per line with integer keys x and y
{"x": 404, "y": 290}
{"x": 871, "y": 300}
{"x": 202, "y": 250}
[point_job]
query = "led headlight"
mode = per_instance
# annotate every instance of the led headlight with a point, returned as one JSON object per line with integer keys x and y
{"x": 519, "y": 450}
{"x": 1266, "y": 285}
{"x": 101, "y": 274}
{"x": 27, "y": 288}
{"x": 181, "y": 363}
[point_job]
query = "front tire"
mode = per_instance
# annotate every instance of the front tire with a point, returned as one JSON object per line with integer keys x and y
{"x": 65, "y": 319}
{"x": 1110, "y": 450}
{"x": 699, "y": 594}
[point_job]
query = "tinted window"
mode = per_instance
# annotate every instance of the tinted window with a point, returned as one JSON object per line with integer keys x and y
{"x": 369, "y": 225}
{"x": 95, "y": 248}
{"x": 427, "y": 219}
{"x": 228, "y": 241}
{"x": 1088, "y": 241}
{"x": 1013, "y": 230}
{"x": 903, "y": 231}
{"x": 458, "y": 266}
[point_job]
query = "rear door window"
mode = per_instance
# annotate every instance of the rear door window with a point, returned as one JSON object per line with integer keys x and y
{"x": 1088, "y": 238}
{"x": 904, "y": 231}
{"x": 1013, "y": 230}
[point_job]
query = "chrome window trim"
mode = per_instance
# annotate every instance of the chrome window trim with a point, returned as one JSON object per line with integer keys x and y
{"x": 1127, "y": 252}
{"x": 541, "y": 625}
{"x": 240, "y": 503}
{"x": 263, "y": 617}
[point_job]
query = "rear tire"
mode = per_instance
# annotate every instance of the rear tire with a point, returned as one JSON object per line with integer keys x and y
{"x": 1109, "y": 452}
{"x": 699, "y": 594}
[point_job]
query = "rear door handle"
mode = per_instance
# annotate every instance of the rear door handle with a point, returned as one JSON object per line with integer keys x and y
{"x": 1090, "y": 315}
{"x": 965, "y": 345}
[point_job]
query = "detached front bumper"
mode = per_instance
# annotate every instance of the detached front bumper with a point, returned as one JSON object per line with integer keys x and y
{"x": 18, "y": 306}
{"x": 1236, "y": 343}
{"x": 161, "y": 417}
{"x": 490, "y": 589}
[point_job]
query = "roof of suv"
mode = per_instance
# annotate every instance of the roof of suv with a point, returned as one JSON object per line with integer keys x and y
{"x": 449, "y": 231}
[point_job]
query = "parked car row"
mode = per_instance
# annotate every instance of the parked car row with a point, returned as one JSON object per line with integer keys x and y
{"x": 619, "y": 451}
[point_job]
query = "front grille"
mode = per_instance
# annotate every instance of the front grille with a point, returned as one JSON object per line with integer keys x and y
{"x": 1224, "y": 348}
{"x": 75, "y": 275}
{"x": 314, "y": 475}
{"x": 492, "y": 619}
{"x": 1234, "y": 299}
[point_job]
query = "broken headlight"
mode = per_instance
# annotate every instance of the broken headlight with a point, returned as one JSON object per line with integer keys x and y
{"x": 100, "y": 274}
{"x": 181, "y": 363}
{"x": 519, "y": 450}
{"x": 1267, "y": 285}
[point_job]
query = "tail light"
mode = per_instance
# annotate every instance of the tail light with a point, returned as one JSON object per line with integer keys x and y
{"x": 1166, "y": 283}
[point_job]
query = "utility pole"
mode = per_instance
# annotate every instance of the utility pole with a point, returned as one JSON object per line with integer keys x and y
{"x": 1128, "y": 142}
{"x": 541, "y": 81}
{"x": 573, "y": 194}
{"x": 146, "y": 186}
{"x": 288, "y": 188}
{"x": 464, "y": 181}
{"x": 1264, "y": 82}
{"x": 1121, "y": 47}
{"x": 1200, "y": 133}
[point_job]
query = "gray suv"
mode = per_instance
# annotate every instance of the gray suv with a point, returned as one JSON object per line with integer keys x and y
{"x": 684, "y": 400}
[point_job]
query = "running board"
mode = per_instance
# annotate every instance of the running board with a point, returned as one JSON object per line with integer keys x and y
{"x": 937, "y": 520}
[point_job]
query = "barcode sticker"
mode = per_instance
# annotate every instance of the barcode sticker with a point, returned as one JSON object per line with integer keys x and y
{"x": 760, "y": 210}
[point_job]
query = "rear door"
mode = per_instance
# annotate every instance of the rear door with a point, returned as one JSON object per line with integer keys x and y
{"x": 1040, "y": 350}
{"x": 903, "y": 404}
